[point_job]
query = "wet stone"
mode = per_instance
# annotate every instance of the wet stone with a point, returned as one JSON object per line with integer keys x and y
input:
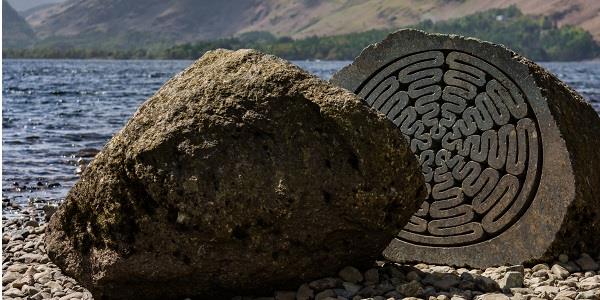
{"x": 351, "y": 274}
{"x": 587, "y": 263}
{"x": 371, "y": 276}
{"x": 411, "y": 289}
{"x": 305, "y": 292}
{"x": 560, "y": 271}
{"x": 511, "y": 280}
{"x": 505, "y": 148}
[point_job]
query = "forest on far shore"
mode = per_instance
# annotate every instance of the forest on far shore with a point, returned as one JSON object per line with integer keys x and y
{"x": 536, "y": 37}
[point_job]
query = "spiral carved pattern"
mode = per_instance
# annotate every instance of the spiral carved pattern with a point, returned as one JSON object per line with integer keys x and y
{"x": 475, "y": 136}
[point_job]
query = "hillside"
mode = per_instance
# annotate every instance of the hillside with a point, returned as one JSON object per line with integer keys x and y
{"x": 16, "y": 33}
{"x": 192, "y": 20}
{"x": 535, "y": 37}
{"x": 23, "y": 5}
{"x": 538, "y": 38}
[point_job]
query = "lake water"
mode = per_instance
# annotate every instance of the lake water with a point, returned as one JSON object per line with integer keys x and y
{"x": 54, "y": 112}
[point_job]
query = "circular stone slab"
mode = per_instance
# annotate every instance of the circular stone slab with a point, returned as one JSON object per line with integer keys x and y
{"x": 501, "y": 184}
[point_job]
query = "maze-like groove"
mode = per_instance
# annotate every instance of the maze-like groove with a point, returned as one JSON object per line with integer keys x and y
{"x": 475, "y": 136}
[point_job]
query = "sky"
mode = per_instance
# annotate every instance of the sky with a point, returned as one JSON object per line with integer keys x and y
{"x": 21, "y": 5}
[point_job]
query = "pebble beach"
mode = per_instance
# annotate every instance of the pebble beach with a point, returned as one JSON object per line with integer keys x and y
{"x": 29, "y": 274}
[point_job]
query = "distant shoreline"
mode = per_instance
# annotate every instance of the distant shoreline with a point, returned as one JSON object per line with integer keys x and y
{"x": 593, "y": 60}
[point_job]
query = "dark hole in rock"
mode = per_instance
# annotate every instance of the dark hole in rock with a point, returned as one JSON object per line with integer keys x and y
{"x": 353, "y": 161}
{"x": 172, "y": 215}
{"x": 327, "y": 197}
{"x": 240, "y": 233}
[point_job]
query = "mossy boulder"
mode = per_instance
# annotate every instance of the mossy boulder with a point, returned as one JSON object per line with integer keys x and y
{"x": 242, "y": 174}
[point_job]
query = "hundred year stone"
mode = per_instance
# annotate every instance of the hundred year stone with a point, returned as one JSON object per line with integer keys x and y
{"x": 509, "y": 153}
{"x": 241, "y": 175}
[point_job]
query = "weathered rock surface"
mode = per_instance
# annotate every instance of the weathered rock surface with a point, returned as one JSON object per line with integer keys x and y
{"x": 509, "y": 152}
{"x": 242, "y": 174}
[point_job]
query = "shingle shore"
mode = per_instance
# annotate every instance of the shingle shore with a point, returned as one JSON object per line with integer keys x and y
{"x": 28, "y": 274}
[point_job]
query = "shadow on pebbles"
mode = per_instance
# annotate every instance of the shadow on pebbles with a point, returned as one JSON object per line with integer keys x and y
{"x": 27, "y": 273}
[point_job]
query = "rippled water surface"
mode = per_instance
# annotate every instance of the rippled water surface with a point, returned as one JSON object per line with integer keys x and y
{"x": 56, "y": 113}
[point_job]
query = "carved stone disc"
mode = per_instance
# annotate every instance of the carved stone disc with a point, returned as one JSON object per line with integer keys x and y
{"x": 489, "y": 148}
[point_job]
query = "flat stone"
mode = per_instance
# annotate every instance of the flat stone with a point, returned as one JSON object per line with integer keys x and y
{"x": 351, "y": 274}
{"x": 492, "y": 296}
{"x": 442, "y": 281}
{"x": 587, "y": 263}
{"x": 75, "y": 295}
{"x": 495, "y": 94}
{"x": 486, "y": 284}
{"x": 305, "y": 293}
{"x": 560, "y": 272}
{"x": 352, "y": 288}
{"x": 30, "y": 290}
{"x": 572, "y": 267}
{"x": 412, "y": 275}
{"x": 372, "y": 276}
{"x": 511, "y": 280}
{"x": 516, "y": 268}
{"x": 520, "y": 290}
{"x": 19, "y": 268}
{"x": 384, "y": 287}
{"x": 343, "y": 293}
{"x": 325, "y": 294}
{"x": 325, "y": 283}
{"x": 588, "y": 295}
{"x": 540, "y": 267}
{"x": 29, "y": 258}
{"x": 9, "y": 277}
{"x": 541, "y": 273}
{"x": 547, "y": 289}
{"x": 285, "y": 295}
{"x": 411, "y": 289}
{"x": 588, "y": 285}
{"x": 13, "y": 292}
{"x": 367, "y": 292}
{"x": 567, "y": 294}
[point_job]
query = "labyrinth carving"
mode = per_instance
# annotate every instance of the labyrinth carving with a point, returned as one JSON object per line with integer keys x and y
{"x": 475, "y": 136}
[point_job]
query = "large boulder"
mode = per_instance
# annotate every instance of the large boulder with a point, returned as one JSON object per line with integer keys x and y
{"x": 241, "y": 174}
{"x": 509, "y": 152}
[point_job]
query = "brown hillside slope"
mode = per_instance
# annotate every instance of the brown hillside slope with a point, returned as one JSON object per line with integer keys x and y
{"x": 188, "y": 20}
{"x": 16, "y": 33}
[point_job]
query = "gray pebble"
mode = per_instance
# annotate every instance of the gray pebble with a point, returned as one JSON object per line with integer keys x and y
{"x": 325, "y": 283}
{"x": 587, "y": 263}
{"x": 351, "y": 274}
{"x": 305, "y": 293}
{"x": 285, "y": 295}
{"x": 352, "y": 288}
{"x": 372, "y": 276}
{"x": 324, "y": 294}
{"x": 411, "y": 289}
{"x": 511, "y": 280}
{"x": 560, "y": 272}
{"x": 588, "y": 295}
{"x": 539, "y": 267}
{"x": 13, "y": 292}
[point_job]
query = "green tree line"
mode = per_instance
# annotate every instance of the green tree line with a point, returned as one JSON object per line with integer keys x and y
{"x": 538, "y": 38}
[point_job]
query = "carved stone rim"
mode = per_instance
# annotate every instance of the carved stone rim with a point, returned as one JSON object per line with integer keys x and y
{"x": 532, "y": 235}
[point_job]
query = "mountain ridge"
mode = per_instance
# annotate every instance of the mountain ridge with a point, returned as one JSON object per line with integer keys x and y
{"x": 189, "y": 20}
{"x": 16, "y": 32}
